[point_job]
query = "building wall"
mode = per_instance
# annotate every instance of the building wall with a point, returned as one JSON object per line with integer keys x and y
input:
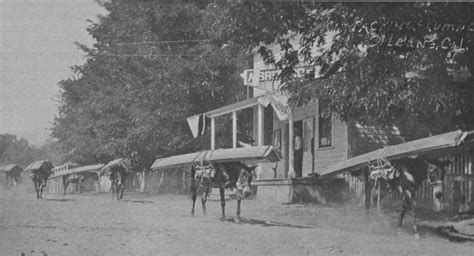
{"x": 325, "y": 157}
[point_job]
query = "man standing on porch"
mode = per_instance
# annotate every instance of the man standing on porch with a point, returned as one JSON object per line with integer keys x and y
{"x": 298, "y": 152}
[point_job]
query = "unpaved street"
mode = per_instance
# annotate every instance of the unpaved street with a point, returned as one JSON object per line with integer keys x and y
{"x": 94, "y": 224}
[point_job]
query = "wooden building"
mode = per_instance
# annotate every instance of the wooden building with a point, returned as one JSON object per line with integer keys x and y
{"x": 91, "y": 182}
{"x": 457, "y": 146}
{"x": 326, "y": 140}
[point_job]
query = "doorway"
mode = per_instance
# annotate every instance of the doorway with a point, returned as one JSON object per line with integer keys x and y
{"x": 298, "y": 147}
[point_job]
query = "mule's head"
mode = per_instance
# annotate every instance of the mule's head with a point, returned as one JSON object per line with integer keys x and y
{"x": 436, "y": 172}
{"x": 245, "y": 179}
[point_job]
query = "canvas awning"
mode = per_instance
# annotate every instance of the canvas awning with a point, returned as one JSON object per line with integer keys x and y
{"x": 42, "y": 164}
{"x": 88, "y": 168}
{"x": 11, "y": 168}
{"x": 259, "y": 153}
{"x": 422, "y": 146}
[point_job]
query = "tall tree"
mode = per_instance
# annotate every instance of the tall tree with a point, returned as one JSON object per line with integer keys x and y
{"x": 152, "y": 66}
{"x": 14, "y": 150}
{"x": 387, "y": 63}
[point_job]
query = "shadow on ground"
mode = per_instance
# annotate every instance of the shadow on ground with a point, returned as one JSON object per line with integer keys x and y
{"x": 264, "y": 223}
{"x": 60, "y": 200}
{"x": 139, "y": 201}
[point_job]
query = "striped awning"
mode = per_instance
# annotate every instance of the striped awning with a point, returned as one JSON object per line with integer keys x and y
{"x": 428, "y": 145}
{"x": 258, "y": 153}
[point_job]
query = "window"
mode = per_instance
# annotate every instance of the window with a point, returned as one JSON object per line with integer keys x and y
{"x": 325, "y": 125}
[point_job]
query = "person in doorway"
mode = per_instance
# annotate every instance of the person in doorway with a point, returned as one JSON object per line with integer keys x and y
{"x": 298, "y": 152}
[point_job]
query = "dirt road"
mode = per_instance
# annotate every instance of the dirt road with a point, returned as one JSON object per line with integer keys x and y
{"x": 95, "y": 224}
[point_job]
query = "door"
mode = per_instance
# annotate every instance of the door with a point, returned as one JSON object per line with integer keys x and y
{"x": 308, "y": 147}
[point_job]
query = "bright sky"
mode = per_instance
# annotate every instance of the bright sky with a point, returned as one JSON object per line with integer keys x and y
{"x": 36, "y": 50}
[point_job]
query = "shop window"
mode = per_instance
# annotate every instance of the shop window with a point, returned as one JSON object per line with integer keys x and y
{"x": 325, "y": 125}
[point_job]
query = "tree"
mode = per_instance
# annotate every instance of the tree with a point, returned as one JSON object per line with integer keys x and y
{"x": 152, "y": 67}
{"x": 15, "y": 150}
{"x": 386, "y": 63}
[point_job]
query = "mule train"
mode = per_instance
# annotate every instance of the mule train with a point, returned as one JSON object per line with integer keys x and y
{"x": 117, "y": 170}
{"x": 231, "y": 175}
{"x": 405, "y": 176}
{"x": 39, "y": 173}
{"x": 12, "y": 174}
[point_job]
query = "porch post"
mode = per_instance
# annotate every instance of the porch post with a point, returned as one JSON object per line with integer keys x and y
{"x": 291, "y": 169}
{"x": 260, "y": 125}
{"x": 234, "y": 129}
{"x": 213, "y": 133}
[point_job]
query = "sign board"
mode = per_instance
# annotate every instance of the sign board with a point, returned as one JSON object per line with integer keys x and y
{"x": 270, "y": 75}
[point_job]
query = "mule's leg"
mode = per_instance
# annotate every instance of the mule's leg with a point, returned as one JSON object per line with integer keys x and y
{"x": 65, "y": 188}
{"x": 119, "y": 190}
{"x": 403, "y": 210}
{"x": 193, "y": 197}
{"x": 112, "y": 187}
{"x": 415, "y": 225}
{"x": 203, "y": 200}
{"x": 81, "y": 187}
{"x": 406, "y": 205}
{"x": 122, "y": 189}
{"x": 221, "y": 192}
{"x": 239, "y": 199}
{"x": 41, "y": 191}
{"x": 36, "y": 189}
{"x": 412, "y": 206}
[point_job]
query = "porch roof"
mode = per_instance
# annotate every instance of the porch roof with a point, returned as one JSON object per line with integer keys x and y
{"x": 261, "y": 153}
{"x": 232, "y": 107}
{"x": 422, "y": 146}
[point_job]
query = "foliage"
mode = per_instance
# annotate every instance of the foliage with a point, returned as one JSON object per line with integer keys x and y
{"x": 384, "y": 62}
{"x": 152, "y": 67}
{"x": 15, "y": 150}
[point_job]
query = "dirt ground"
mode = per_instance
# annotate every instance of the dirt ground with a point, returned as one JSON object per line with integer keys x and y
{"x": 94, "y": 224}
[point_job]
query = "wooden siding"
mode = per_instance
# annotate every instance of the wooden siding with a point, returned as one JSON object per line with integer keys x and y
{"x": 324, "y": 157}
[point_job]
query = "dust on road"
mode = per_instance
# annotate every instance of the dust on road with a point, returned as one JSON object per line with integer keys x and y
{"x": 94, "y": 224}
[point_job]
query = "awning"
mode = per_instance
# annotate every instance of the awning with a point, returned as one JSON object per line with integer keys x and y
{"x": 259, "y": 153}
{"x": 88, "y": 168}
{"x": 428, "y": 145}
{"x": 42, "y": 164}
{"x": 11, "y": 168}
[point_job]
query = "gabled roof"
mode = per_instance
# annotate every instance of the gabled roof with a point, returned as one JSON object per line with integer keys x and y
{"x": 261, "y": 153}
{"x": 422, "y": 146}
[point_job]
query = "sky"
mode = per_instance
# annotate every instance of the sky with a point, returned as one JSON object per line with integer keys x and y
{"x": 36, "y": 52}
